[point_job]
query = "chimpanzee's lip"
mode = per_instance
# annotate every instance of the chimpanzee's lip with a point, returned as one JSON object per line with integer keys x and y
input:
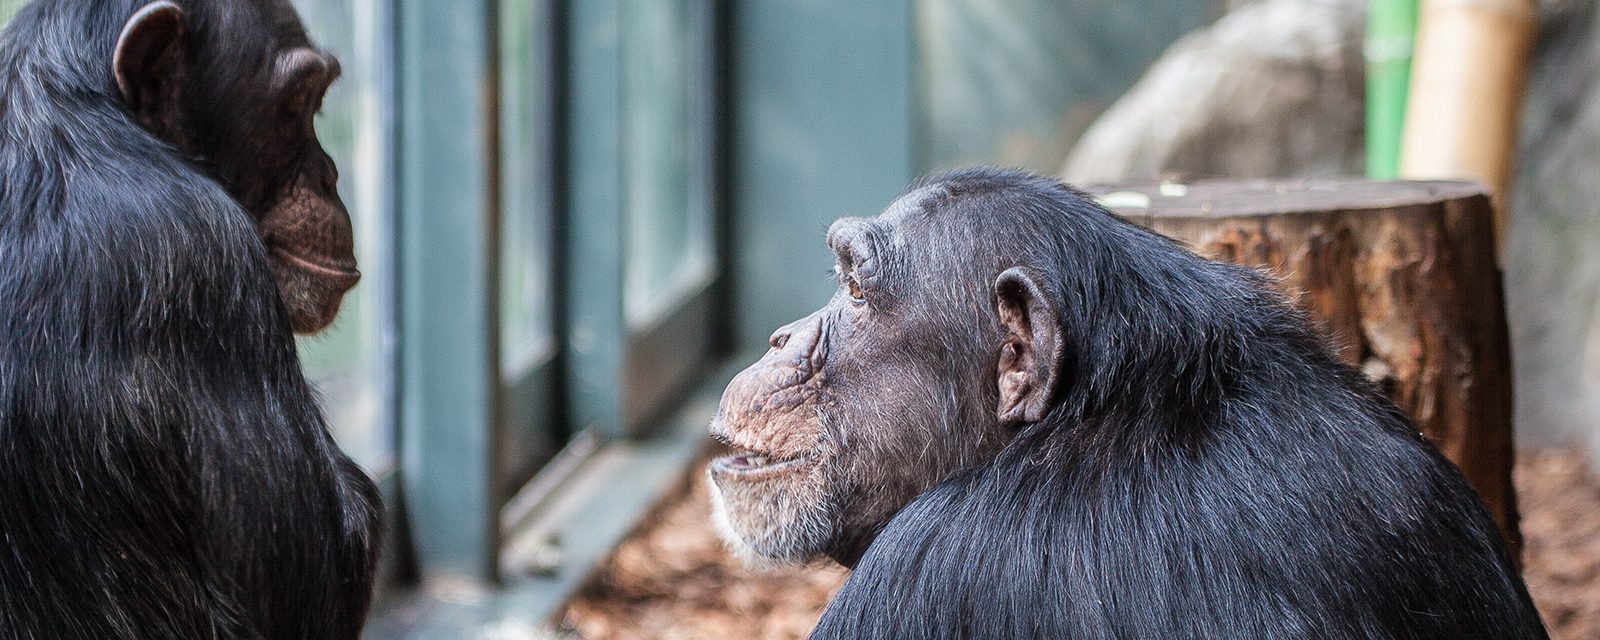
{"x": 314, "y": 267}
{"x": 751, "y": 463}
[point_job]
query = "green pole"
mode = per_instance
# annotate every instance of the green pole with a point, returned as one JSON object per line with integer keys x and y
{"x": 1391, "y": 37}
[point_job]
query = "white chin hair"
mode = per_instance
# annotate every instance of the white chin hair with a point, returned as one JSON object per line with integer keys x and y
{"x": 798, "y": 536}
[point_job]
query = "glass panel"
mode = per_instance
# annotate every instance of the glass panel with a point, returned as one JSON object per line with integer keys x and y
{"x": 348, "y": 363}
{"x": 1015, "y": 82}
{"x": 664, "y": 128}
{"x": 525, "y": 244}
{"x": 527, "y": 249}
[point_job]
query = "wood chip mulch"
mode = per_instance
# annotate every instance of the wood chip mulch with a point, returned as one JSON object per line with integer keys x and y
{"x": 674, "y": 581}
{"x": 1560, "y": 502}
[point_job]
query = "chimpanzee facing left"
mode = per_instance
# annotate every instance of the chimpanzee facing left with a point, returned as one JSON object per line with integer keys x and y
{"x": 168, "y": 220}
{"x": 1023, "y": 417}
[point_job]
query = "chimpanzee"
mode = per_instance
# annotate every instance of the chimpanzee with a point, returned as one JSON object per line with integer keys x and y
{"x": 168, "y": 219}
{"x": 1023, "y": 417}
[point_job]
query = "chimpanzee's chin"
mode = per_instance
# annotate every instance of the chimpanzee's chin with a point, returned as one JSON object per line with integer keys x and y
{"x": 312, "y": 296}
{"x": 771, "y": 521}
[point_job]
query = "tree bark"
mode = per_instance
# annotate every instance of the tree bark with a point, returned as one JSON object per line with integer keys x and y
{"x": 1401, "y": 274}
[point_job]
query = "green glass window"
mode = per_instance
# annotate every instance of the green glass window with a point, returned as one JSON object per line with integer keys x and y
{"x": 524, "y": 142}
{"x": 669, "y": 224}
{"x": 1015, "y": 82}
{"x": 350, "y": 363}
{"x": 525, "y": 216}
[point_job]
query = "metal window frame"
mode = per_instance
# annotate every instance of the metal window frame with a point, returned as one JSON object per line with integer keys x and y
{"x": 456, "y": 407}
{"x": 449, "y": 404}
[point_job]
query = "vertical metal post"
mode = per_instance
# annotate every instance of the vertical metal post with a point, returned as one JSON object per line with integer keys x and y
{"x": 594, "y": 229}
{"x": 448, "y": 307}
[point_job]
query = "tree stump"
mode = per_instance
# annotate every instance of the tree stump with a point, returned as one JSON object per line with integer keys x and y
{"x": 1403, "y": 277}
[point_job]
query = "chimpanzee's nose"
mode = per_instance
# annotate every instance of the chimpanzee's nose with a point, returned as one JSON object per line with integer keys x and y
{"x": 796, "y": 344}
{"x": 807, "y": 327}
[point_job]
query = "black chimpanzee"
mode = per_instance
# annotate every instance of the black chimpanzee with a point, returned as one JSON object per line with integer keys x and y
{"x": 1023, "y": 417}
{"x": 167, "y": 220}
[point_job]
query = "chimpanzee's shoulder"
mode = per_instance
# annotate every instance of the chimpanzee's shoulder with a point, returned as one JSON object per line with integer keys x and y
{"x": 1027, "y": 547}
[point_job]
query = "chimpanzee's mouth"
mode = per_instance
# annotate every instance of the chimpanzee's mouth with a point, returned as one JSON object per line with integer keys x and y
{"x": 749, "y": 462}
{"x": 336, "y": 271}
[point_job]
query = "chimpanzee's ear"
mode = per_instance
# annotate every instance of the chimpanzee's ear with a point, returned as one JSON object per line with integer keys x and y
{"x": 1031, "y": 352}
{"x": 148, "y": 64}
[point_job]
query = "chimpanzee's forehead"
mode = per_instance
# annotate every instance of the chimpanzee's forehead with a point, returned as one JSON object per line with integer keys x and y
{"x": 934, "y": 213}
{"x": 275, "y": 20}
{"x": 921, "y": 227}
{"x": 285, "y": 21}
{"x": 284, "y": 15}
{"x": 914, "y": 203}
{"x": 944, "y": 204}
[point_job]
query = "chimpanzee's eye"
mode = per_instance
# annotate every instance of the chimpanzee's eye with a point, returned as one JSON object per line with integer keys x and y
{"x": 847, "y": 281}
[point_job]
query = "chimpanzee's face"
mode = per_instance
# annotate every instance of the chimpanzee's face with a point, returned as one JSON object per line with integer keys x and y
{"x": 241, "y": 97}
{"x": 273, "y": 163}
{"x": 867, "y": 402}
{"x": 302, "y": 219}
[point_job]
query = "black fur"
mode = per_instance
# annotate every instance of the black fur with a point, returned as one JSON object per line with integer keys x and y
{"x": 165, "y": 471}
{"x": 1209, "y": 470}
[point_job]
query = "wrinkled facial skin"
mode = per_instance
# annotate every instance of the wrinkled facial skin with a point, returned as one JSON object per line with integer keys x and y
{"x": 238, "y": 91}
{"x": 294, "y": 195}
{"x": 780, "y": 507}
{"x": 866, "y": 403}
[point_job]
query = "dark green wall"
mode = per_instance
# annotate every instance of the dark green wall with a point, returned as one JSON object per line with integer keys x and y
{"x": 838, "y": 104}
{"x": 1015, "y": 82}
{"x": 820, "y": 129}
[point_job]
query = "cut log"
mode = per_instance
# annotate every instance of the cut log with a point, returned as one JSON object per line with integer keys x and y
{"x": 1402, "y": 275}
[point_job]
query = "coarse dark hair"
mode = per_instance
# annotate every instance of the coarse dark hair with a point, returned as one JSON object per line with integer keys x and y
{"x": 165, "y": 470}
{"x": 1209, "y": 469}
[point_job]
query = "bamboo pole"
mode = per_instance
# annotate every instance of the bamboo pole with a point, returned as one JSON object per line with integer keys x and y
{"x": 1467, "y": 81}
{"x": 1391, "y": 39}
